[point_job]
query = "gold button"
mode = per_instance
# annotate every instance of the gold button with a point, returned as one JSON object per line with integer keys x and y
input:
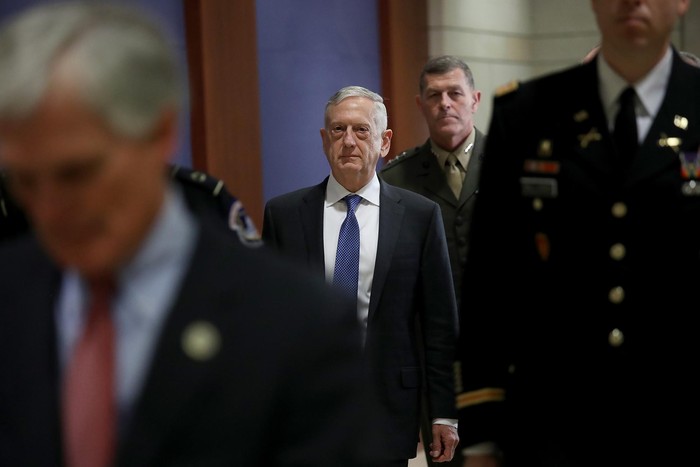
{"x": 537, "y": 204}
{"x": 198, "y": 177}
{"x": 619, "y": 210}
{"x": 545, "y": 148}
{"x": 616, "y": 338}
{"x": 617, "y": 251}
{"x": 616, "y": 295}
{"x": 201, "y": 340}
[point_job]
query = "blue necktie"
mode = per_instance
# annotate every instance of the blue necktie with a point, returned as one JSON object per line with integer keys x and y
{"x": 347, "y": 257}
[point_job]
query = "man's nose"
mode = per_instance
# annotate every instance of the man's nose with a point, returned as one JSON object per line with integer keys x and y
{"x": 349, "y": 138}
{"x": 445, "y": 101}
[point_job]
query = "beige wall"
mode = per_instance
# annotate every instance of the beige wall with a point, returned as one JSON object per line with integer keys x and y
{"x": 502, "y": 40}
{"x": 690, "y": 30}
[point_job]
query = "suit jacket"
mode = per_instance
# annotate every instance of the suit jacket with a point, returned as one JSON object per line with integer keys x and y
{"x": 12, "y": 220}
{"x": 283, "y": 389}
{"x": 411, "y": 281}
{"x": 418, "y": 170}
{"x": 580, "y": 277}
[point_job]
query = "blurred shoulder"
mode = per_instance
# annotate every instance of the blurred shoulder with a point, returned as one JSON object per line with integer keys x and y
{"x": 564, "y": 78}
{"x": 209, "y": 197}
{"x": 507, "y": 89}
{"x": 198, "y": 181}
{"x": 401, "y": 159}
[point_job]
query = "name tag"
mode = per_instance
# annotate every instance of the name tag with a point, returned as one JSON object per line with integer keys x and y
{"x": 538, "y": 187}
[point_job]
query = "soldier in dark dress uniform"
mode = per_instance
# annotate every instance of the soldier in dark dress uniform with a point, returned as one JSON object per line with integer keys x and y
{"x": 584, "y": 258}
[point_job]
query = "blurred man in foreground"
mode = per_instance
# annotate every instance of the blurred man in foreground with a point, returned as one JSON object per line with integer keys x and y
{"x": 132, "y": 332}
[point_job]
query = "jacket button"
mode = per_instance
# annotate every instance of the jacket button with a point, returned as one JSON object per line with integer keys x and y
{"x": 616, "y": 295}
{"x": 617, "y": 251}
{"x": 619, "y": 210}
{"x": 616, "y": 338}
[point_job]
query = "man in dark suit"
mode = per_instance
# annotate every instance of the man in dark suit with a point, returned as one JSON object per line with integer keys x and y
{"x": 448, "y": 100}
{"x": 403, "y": 275}
{"x": 132, "y": 331}
{"x": 583, "y": 252}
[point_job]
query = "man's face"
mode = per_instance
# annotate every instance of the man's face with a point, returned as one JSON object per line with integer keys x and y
{"x": 90, "y": 195}
{"x": 629, "y": 24}
{"x": 448, "y": 104}
{"x": 352, "y": 142}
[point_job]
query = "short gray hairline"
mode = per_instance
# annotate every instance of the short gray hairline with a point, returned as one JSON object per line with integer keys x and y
{"x": 138, "y": 52}
{"x": 379, "y": 114}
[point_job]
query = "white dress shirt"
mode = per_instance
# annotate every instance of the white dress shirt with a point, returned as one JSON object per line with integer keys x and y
{"x": 367, "y": 214}
{"x": 650, "y": 92}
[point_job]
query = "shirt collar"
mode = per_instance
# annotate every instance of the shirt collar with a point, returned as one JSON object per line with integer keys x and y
{"x": 650, "y": 89}
{"x": 336, "y": 192}
{"x": 462, "y": 152}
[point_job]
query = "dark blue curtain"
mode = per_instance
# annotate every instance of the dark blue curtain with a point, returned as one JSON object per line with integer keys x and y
{"x": 307, "y": 50}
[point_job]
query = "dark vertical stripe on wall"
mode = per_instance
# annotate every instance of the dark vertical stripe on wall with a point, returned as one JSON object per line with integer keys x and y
{"x": 404, "y": 47}
{"x": 225, "y": 99}
{"x": 193, "y": 34}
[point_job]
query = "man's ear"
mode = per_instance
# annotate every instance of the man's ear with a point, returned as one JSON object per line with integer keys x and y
{"x": 386, "y": 142}
{"x": 477, "y": 100}
{"x": 164, "y": 136}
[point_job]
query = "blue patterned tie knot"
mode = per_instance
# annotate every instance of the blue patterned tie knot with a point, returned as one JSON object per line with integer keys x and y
{"x": 347, "y": 256}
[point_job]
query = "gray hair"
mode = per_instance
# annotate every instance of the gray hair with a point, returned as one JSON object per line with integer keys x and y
{"x": 379, "y": 115}
{"x": 121, "y": 61}
{"x": 444, "y": 64}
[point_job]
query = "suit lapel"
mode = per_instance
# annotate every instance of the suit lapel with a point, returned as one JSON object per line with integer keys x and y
{"x": 471, "y": 179}
{"x": 390, "y": 215}
{"x": 38, "y": 375}
{"x": 174, "y": 376}
{"x": 311, "y": 214}
{"x": 433, "y": 175}
{"x": 676, "y": 116}
{"x": 587, "y": 124}
{"x": 47, "y": 372}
